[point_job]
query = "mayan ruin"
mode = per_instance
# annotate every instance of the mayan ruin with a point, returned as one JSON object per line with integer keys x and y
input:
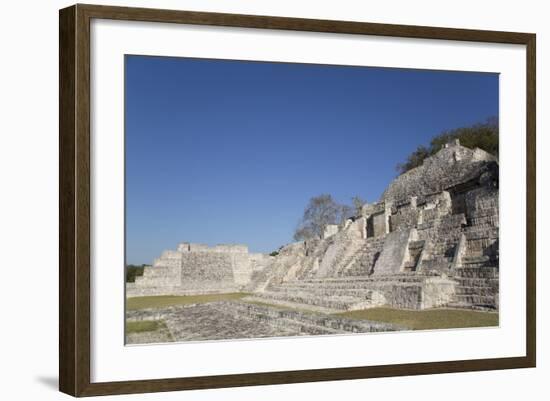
{"x": 431, "y": 241}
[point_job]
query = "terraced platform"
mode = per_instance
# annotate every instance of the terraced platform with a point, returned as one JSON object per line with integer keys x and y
{"x": 233, "y": 320}
{"x": 407, "y": 290}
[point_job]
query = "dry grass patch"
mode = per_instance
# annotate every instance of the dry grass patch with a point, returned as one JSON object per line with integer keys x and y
{"x": 427, "y": 319}
{"x": 143, "y": 326}
{"x": 164, "y": 301}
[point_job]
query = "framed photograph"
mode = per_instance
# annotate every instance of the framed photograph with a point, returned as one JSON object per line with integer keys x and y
{"x": 250, "y": 200}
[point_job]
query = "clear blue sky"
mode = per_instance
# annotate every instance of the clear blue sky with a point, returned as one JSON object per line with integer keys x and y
{"x": 231, "y": 151}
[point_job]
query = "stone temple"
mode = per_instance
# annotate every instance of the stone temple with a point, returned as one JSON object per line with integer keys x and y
{"x": 430, "y": 241}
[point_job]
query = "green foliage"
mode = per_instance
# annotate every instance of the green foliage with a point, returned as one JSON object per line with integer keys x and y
{"x": 274, "y": 253}
{"x": 481, "y": 135}
{"x": 415, "y": 159}
{"x": 426, "y": 319}
{"x": 144, "y": 326}
{"x": 132, "y": 271}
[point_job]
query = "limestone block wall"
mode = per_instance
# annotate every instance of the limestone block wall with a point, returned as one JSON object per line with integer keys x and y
{"x": 394, "y": 252}
{"x": 452, "y": 165}
{"x": 437, "y": 292}
{"x": 482, "y": 206}
{"x": 194, "y": 269}
{"x": 441, "y": 237}
{"x": 234, "y": 249}
{"x": 376, "y": 225}
{"x": 404, "y": 217}
{"x": 330, "y": 230}
{"x": 206, "y": 270}
{"x": 158, "y": 276}
{"x": 241, "y": 265}
{"x": 358, "y": 229}
{"x": 481, "y": 245}
{"x": 168, "y": 259}
{"x": 192, "y": 247}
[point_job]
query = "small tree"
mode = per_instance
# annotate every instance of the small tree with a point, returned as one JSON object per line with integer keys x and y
{"x": 133, "y": 271}
{"x": 321, "y": 211}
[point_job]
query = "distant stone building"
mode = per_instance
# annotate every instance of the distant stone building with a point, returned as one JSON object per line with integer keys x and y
{"x": 431, "y": 241}
{"x": 197, "y": 269}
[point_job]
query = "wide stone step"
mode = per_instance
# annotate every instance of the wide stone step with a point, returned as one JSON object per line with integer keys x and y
{"x": 346, "y": 285}
{"x": 465, "y": 305}
{"x": 473, "y": 257}
{"x": 292, "y": 305}
{"x": 306, "y": 328}
{"x": 337, "y": 303}
{"x": 477, "y": 282}
{"x": 481, "y": 232}
{"x": 410, "y": 277}
{"x": 483, "y": 291}
{"x": 476, "y": 265}
{"x": 475, "y": 299}
{"x": 306, "y": 322}
{"x": 328, "y": 292}
{"x": 476, "y": 272}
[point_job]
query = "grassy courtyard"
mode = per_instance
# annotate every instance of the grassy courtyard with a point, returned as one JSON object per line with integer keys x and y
{"x": 164, "y": 301}
{"x": 144, "y": 326}
{"x": 413, "y": 319}
{"x": 427, "y": 319}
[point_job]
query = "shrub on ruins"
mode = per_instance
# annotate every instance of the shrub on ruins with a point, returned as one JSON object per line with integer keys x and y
{"x": 481, "y": 135}
{"x": 321, "y": 211}
{"x": 132, "y": 271}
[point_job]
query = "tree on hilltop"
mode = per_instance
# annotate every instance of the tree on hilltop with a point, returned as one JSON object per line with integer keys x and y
{"x": 480, "y": 135}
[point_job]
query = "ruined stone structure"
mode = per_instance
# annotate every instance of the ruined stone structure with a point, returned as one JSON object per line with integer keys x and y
{"x": 197, "y": 269}
{"x": 229, "y": 320}
{"x": 430, "y": 241}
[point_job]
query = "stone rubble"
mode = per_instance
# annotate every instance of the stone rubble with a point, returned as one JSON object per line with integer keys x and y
{"x": 233, "y": 320}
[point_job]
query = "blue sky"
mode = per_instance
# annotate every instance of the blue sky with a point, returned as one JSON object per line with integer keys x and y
{"x": 231, "y": 151}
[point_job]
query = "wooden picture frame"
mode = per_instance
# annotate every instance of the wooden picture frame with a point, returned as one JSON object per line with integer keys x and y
{"x": 74, "y": 203}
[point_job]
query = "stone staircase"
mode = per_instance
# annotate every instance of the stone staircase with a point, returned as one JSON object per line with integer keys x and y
{"x": 362, "y": 261}
{"x": 477, "y": 276}
{"x": 442, "y": 236}
{"x": 259, "y": 280}
{"x": 477, "y": 288}
{"x": 341, "y": 255}
{"x": 481, "y": 247}
{"x": 304, "y": 323}
{"x": 415, "y": 250}
{"x": 348, "y": 293}
{"x": 236, "y": 319}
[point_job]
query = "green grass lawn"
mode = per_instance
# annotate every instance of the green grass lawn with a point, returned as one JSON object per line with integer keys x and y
{"x": 143, "y": 326}
{"x": 427, "y": 319}
{"x": 164, "y": 301}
